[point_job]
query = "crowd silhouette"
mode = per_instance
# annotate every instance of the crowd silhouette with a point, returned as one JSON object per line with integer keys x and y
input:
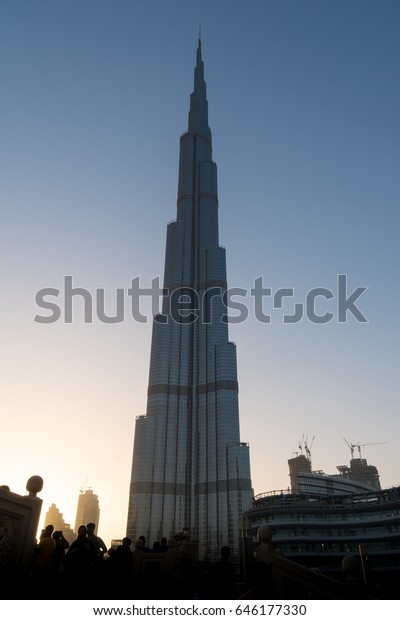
{"x": 163, "y": 570}
{"x": 86, "y": 569}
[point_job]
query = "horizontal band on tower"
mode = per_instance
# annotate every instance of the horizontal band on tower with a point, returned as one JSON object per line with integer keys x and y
{"x": 222, "y": 486}
{"x": 189, "y": 197}
{"x": 160, "y": 488}
{"x": 214, "y": 386}
{"x": 180, "y": 488}
{"x": 192, "y": 134}
{"x": 185, "y": 390}
{"x": 203, "y": 286}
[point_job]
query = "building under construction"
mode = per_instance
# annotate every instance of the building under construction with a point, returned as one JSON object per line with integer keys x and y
{"x": 88, "y": 510}
{"x": 359, "y": 472}
{"x": 298, "y": 465}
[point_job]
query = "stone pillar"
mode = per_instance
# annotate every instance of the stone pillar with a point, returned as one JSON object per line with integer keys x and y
{"x": 19, "y": 520}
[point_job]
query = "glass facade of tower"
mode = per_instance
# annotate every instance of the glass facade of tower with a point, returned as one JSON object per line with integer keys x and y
{"x": 189, "y": 469}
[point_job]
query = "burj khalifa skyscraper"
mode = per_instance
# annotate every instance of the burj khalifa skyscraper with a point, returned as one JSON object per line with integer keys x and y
{"x": 189, "y": 469}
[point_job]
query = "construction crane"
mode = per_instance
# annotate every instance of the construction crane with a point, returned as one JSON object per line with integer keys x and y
{"x": 361, "y": 445}
{"x": 82, "y": 490}
{"x": 308, "y": 448}
{"x": 301, "y": 444}
{"x": 351, "y": 446}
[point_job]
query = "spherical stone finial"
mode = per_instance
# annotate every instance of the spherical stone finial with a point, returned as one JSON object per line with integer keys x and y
{"x": 349, "y": 564}
{"x": 264, "y": 534}
{"x": 34, "y": 485}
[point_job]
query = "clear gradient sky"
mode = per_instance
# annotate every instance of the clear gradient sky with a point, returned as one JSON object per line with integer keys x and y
{"x": 304, "y": 108}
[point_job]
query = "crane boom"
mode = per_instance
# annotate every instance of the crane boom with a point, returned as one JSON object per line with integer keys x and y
{"x": 361, "y": 445}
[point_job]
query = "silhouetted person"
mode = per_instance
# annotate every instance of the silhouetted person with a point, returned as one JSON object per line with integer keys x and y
{"x": 163, "y": 545}
{"x": 79, "y": 564}
{"x": 58, "y": 562}
{"x": 144, "y": 548}
{"x": 226, "y": 575}
{"x": 120, "y": 569}
{"x": 137, "y": 554}
{"x": 98, "y": 544}
{"x": 43, "y": 569}
{"x": 62, "y": 545}
{"x": 99, "y": 549}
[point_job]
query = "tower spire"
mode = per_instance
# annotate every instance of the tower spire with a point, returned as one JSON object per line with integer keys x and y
{"x": 198, "y": 113}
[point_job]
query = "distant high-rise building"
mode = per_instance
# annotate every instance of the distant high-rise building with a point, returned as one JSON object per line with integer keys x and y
{"x": 297, "y": 466}
{"x": 360, "y": 471}
{"x": 302, "y": 479}
{"x": 55, "y": 518}
{"x": 88, "y": 510}
{"x": 190, "y": 470}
